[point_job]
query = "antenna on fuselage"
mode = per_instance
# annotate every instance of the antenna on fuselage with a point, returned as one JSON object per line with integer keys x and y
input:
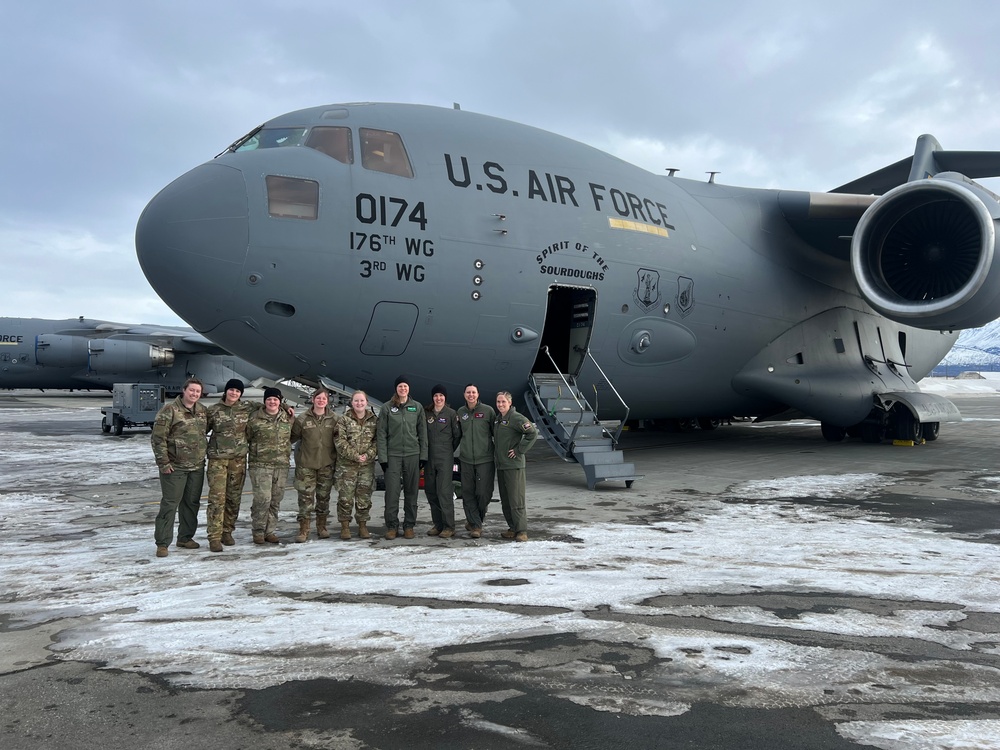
{"x": 671, "y": 171}
{"x": 456, "y": 105}
{"x": 711, "y": 177}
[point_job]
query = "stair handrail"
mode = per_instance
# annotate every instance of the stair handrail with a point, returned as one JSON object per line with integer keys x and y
{"x": 572, "y": 392}
{"x": 611, "y": 385}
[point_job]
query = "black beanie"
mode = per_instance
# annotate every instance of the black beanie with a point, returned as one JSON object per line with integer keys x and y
{"x": 439, "y": 389}
{"x": 269, "y": 392}
{"x": 235, "y": 383}
{"x": 402, "y": 379}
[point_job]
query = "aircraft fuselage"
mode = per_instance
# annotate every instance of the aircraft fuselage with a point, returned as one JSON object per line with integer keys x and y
{"x": 487, "y": 243}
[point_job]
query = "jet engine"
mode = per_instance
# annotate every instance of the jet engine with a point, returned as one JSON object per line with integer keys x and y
{"x": 925, "y": 254}
{"x": 55, "y": 350}
{"x": 116, "y": 355}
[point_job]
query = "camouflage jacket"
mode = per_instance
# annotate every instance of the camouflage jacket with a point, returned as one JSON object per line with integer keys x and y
{"x": 269, "y": 438}
{"x": 355, "y": 437}
{"x": 179, "y": 436}
{"x": 315, "y": 437}
{"x": 513, "y": 431}
{"x": 228, "y": 425}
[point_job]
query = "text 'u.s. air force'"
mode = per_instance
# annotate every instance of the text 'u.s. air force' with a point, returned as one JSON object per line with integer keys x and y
{"x": 556, "y": 189}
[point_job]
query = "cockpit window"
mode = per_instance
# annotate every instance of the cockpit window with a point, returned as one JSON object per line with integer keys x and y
{"x": 335, "y": 142}
{"x": 273, "y": 138}
{"x": 292, "y": 197}
{"x": 383, "y": 151}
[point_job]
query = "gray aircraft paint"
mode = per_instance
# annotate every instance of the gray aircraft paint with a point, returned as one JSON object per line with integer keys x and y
{"x": 82, "y": 353}
{"x": 699, "y": 299}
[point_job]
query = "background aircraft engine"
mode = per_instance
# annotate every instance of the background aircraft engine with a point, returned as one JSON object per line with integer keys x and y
{"x": 114, "y": 355}
{"x": 925, "y": 254}
{"x": 54, "y": 350}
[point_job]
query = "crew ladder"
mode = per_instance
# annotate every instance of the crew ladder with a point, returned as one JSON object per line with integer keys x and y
{"x": 570, "y": 426}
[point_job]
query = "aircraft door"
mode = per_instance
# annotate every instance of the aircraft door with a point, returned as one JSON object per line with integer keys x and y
{"x": 569, "y": 322}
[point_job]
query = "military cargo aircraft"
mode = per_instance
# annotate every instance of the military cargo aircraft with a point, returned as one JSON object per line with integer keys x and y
{"x": 81, "y": 353}
{"x": 353, "y": 242}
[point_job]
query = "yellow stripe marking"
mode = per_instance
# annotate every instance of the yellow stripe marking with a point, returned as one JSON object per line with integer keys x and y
{"x": 637, "y": 226}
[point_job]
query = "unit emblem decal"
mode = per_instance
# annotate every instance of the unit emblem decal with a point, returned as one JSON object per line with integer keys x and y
{"x": 647, "y": 289}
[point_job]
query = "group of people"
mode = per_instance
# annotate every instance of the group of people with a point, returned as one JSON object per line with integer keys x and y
{"x": 405, "y": 438}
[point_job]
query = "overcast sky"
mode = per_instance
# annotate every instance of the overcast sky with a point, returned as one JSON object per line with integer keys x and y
{"x": 103, "y": 102}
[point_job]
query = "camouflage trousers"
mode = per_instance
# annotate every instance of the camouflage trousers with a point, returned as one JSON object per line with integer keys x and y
{"x": 314, "y": 487}
{"x": 268, "y": 489}
{"x": 354, "y": 490}
{"x": 225, "y": 492}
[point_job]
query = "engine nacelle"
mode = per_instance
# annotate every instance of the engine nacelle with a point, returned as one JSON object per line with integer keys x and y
{"x": 925, "y": 254}
{"x": 117, "y": 355}
{"x": 54, "y": 350}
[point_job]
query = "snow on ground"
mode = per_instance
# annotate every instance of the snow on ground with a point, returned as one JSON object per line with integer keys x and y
{"x": 258, "y": 616}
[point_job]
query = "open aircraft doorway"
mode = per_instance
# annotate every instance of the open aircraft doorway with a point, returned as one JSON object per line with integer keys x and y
{"x": 564, "y": 417}
{"x": 569, "y": 323}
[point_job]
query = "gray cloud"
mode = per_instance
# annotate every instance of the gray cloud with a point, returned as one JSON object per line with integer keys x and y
{"x": 112, "y": 100}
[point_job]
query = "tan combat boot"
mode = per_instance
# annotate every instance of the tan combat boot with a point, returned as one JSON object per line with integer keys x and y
{"x": 363, "y": 530}
{"x": 304, "y": 525}
{"x": 321, "y": 531}
{"x": 345, "y": 529}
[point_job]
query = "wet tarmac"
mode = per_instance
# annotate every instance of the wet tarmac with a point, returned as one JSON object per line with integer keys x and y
{"x": 760, "y": 588}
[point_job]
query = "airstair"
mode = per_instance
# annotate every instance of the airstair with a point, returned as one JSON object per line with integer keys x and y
{"x": 570, "y": 426}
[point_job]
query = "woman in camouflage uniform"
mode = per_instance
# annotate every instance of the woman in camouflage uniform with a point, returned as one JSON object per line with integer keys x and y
{"x": 179, "y": 446}
{"x": 269, "y": 434}
{"x": 315, "y": 463}
{"x": 227, "y": 463}
{"x": 356, "y": 455}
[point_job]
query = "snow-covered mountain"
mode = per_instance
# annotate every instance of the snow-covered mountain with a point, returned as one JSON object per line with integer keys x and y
{"x": 976, "y": 349}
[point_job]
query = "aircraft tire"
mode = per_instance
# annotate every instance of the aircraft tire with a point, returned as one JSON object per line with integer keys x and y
{"x": 931, "y": 430}
{"x": 105, "y": 427}
{"x": 832, "y": 433}
{"x": 706, "y": 423}
{"x": 906, "y": 427}
{"x": 119, "y": 425}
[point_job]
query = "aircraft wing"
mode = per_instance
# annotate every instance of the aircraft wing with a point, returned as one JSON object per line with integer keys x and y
{"x": 89, "y": 328}
{"x": 179, "y": 339}
{"x": 929, "y": 159}
{"x": 880, "y": 181}
{"x": 173, "y": 337}
{"x": 825, "y": 220}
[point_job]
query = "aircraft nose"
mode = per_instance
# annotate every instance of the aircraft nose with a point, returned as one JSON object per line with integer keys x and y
{"x": 191, "y": 241}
